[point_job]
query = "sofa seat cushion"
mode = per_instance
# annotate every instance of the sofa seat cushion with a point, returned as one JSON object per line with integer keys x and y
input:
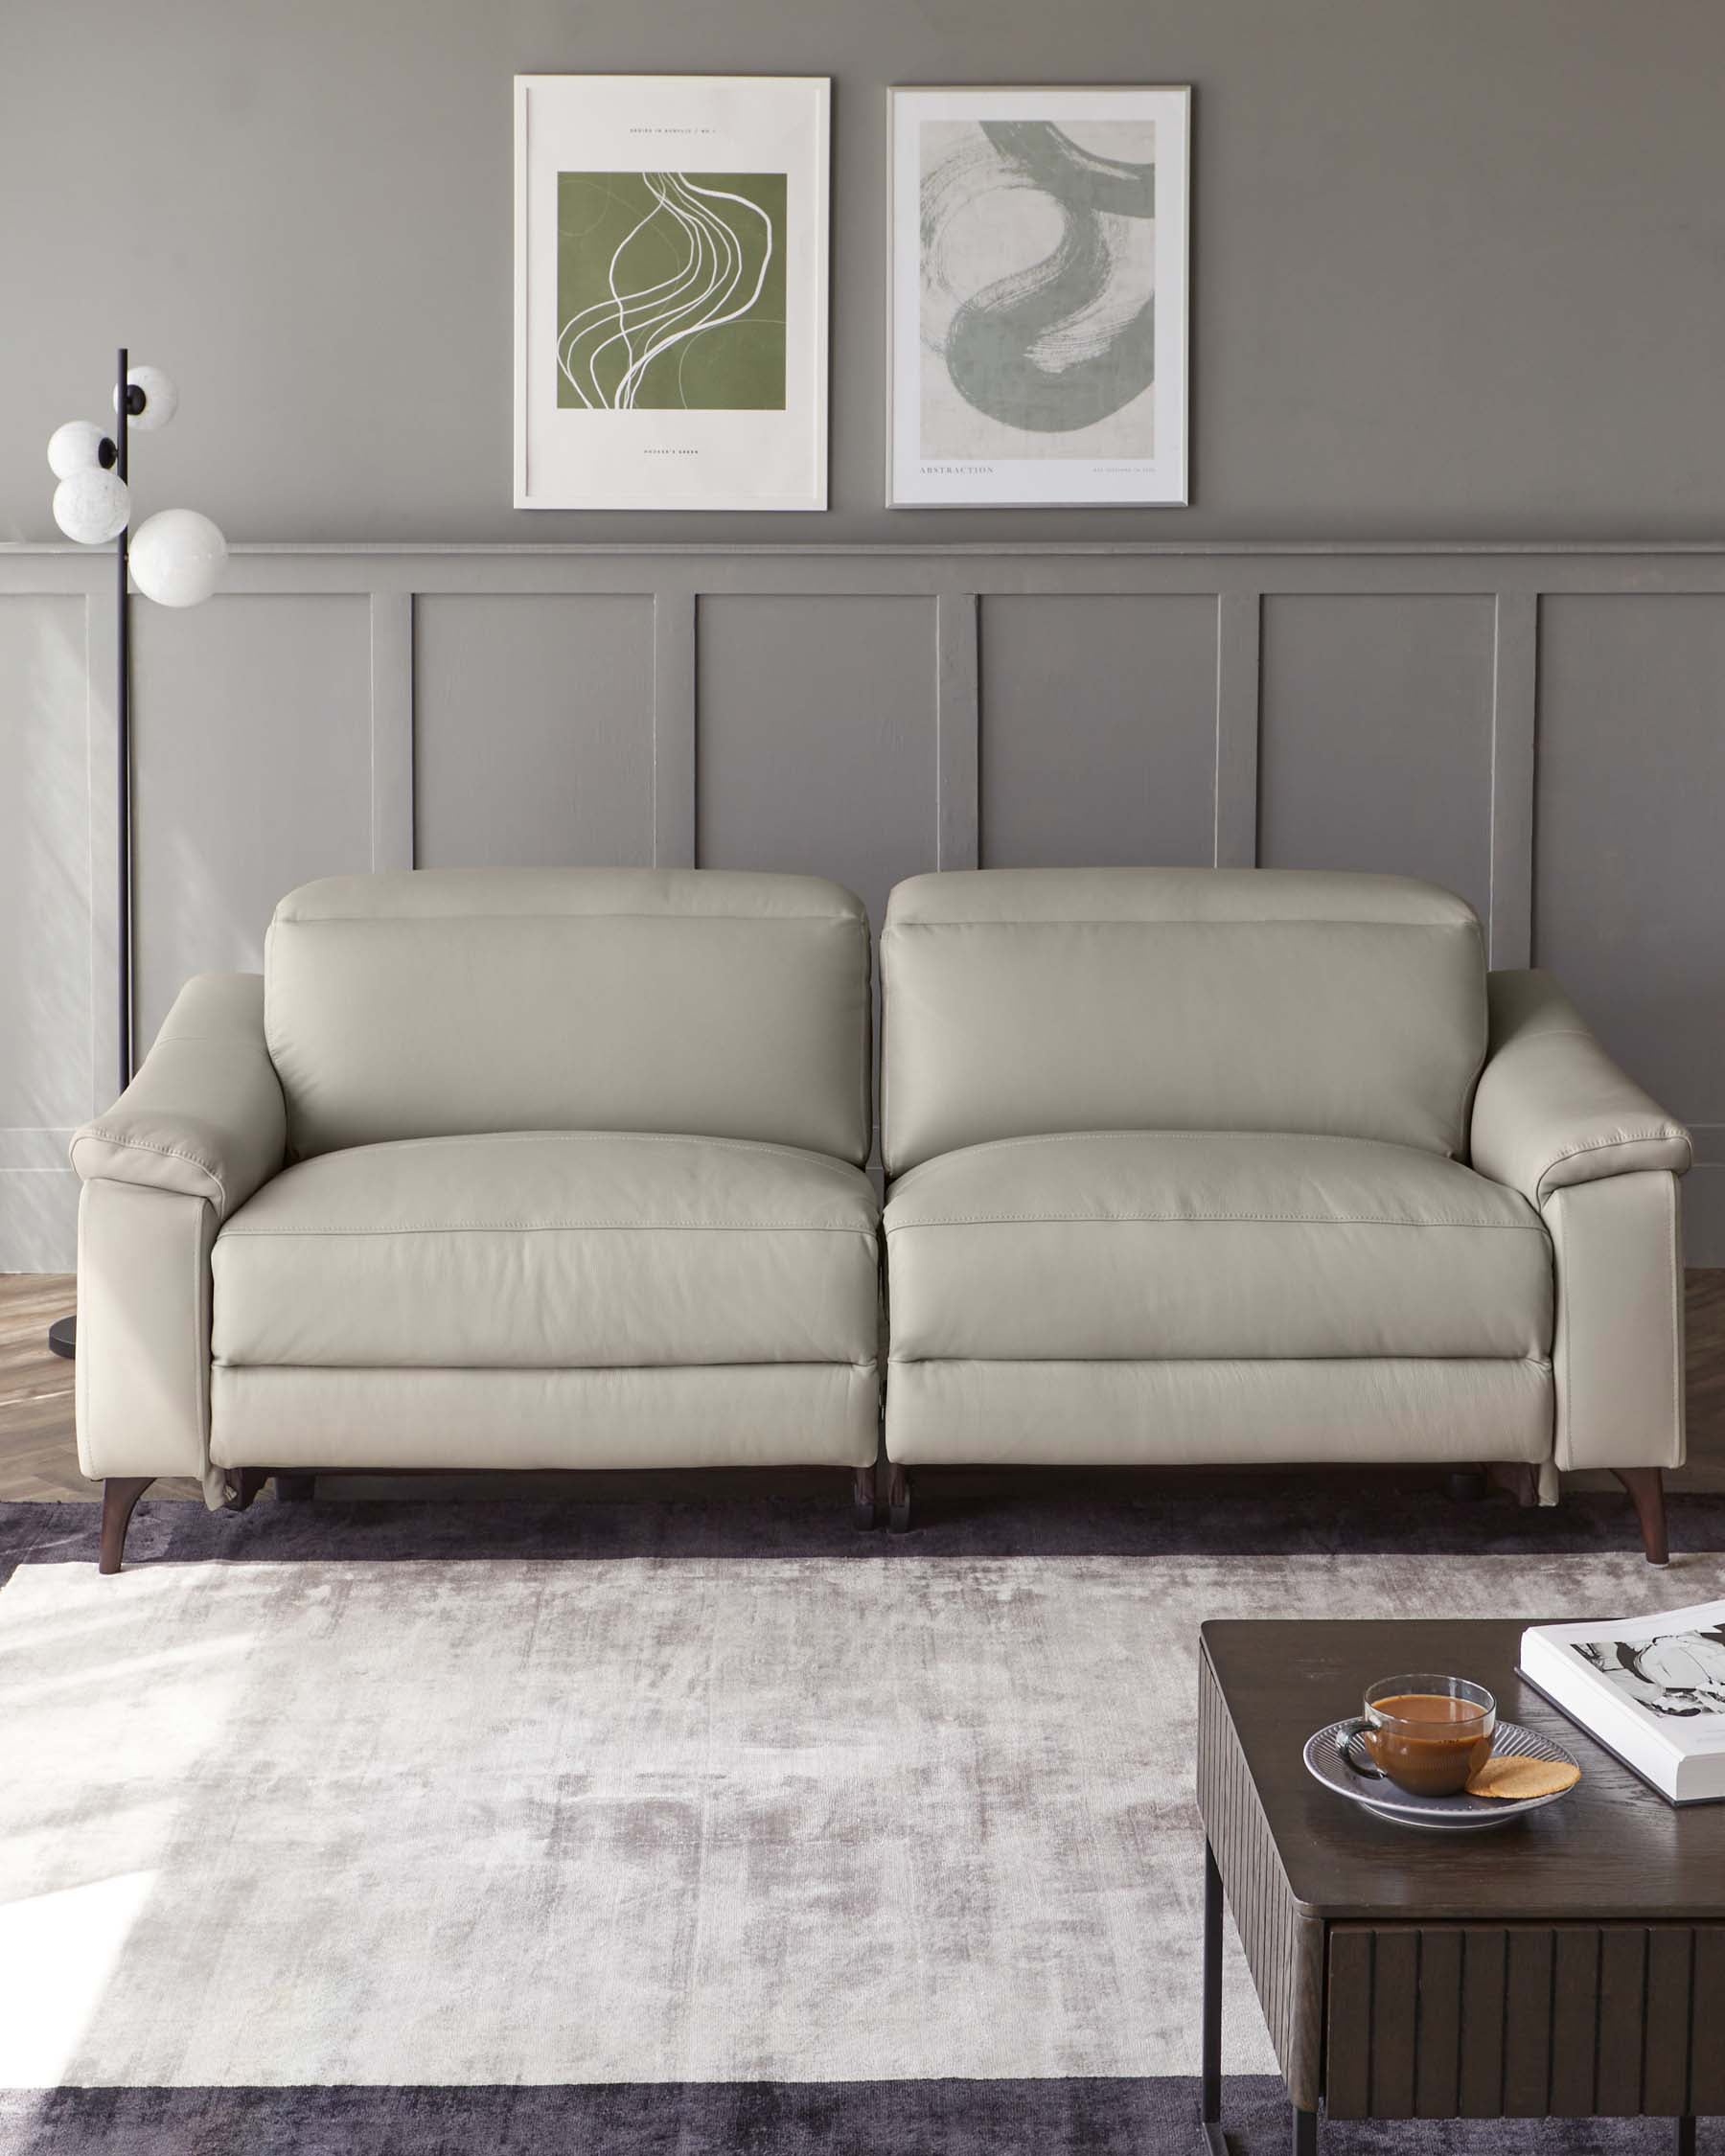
{"x": 1196, "y": 1245}
{"x": 551, "y": 1251}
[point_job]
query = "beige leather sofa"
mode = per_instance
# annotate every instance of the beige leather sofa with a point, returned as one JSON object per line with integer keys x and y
{"x": 512, "y": 1170}
{"x": 1211, "y": 1166}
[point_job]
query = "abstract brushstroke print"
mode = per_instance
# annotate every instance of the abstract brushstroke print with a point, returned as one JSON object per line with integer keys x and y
{"x": 1038, "y": 300}
{"x": 671, "y": 291}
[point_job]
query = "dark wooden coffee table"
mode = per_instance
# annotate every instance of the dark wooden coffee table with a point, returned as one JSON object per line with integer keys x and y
{"x": 1569, "y": 1966}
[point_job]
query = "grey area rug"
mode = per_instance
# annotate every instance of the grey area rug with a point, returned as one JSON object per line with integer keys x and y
{"x": 885, "y": 1846}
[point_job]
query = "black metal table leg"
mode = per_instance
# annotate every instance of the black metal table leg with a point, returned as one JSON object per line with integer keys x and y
{"x": 1209, "y": 2105}
{"x": 1685, "y": 2143}
{"x": 1305, "y": 2133}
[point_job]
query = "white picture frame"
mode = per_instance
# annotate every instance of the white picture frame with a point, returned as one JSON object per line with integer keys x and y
{"x": 659, "y": 395}
{"x": 1037, "y": 202}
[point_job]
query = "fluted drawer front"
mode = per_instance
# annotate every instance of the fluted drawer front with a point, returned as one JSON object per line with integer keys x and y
{"x": 1483, "y": 2021}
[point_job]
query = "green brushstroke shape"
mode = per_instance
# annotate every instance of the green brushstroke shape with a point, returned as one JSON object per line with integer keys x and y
{"x": 991, "y": 344}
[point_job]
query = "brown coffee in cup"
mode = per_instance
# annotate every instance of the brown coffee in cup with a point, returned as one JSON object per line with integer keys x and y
{"x": 1426, "y": 1734}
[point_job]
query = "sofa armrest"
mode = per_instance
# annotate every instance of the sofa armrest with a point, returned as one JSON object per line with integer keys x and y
{"x": 204, "y": 1116}
{"x": 1552, "y": 1108}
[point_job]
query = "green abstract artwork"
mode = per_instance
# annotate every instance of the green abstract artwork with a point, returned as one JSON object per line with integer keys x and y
{"x": 671, "y": 291}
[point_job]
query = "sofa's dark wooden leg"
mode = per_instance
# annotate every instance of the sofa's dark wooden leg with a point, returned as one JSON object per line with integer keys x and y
{"x": 295, "y": 1489}
{"x": 1646, "y": 1486}
{"x": 120, "y": 1493}
{"x": 1519, "y": 1478}
{"x": 1464, "y": 1486}
{"x": 863, "y": 1498}
{"x": 898, "y": 1499}
{"x": 243, "y": 1486}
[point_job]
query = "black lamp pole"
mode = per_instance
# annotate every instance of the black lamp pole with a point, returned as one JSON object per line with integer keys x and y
{"x": 62, "y": 1334}
{"x": 122, "y": 707}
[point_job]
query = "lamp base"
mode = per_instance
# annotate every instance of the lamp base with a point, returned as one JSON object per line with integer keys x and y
{"x": 62, "y": 1337}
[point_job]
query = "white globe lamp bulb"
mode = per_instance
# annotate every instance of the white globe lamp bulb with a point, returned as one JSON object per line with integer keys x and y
{"x": 161, "y": 399}
{"x": 92, "y": 506}
{"x": 75, "y": 446}
{"x": 177, "y": 557}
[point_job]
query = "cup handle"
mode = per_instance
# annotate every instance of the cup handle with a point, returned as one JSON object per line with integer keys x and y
{"x": 1359, "y": 1760}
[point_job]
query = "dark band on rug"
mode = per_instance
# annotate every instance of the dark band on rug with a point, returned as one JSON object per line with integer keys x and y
{"x": 1047, "y": 2117}
{"x": 960, "y": 1513}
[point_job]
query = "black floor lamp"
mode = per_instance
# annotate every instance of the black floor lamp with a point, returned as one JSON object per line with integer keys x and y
{"x": 175, "y": 558}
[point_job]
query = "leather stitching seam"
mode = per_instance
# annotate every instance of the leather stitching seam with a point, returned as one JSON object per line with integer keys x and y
{"x": 1081, "y": 1137}
{"x": 565, "y": 1226}
{"x": 1205, "y": 1219}
{"x": 1248, "y": 921}
{"x": 469, "y": 919}
{"x": 165, "y": 1152}
{"x": 579, "y": 1138}
{"x": 1667, "y": 1133}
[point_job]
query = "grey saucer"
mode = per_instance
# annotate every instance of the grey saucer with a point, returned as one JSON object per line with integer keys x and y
{"x": 1463, "y": 1814}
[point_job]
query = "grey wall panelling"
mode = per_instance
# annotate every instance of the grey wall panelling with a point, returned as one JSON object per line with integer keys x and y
{"x": 49, "y": 735}
{"x": 1344, "y": 779}
{"x": 251, "y": 770}
{"x": 533, "y": 729}
{"x": 1101, "y": 729}
{"x": 818, "y": 721}
{"x": 1542, "y": 728}
{"x": 1629, "y": 835}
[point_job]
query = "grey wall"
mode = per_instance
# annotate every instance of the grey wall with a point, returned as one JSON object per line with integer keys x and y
{"x": 1457, "y": 263}
{"x": 1457, "y": 278}
{"x": 1539, "y": 731}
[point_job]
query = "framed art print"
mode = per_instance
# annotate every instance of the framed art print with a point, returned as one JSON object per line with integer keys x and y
{"x": 1038, "y": 339}
{"x": 671, "y": 291}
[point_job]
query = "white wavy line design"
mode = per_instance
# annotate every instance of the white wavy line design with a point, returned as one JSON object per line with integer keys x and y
{"x": 653, "y": 319}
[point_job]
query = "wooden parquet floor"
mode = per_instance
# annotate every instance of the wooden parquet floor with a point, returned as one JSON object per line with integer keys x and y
{"x": 38, "y": 1454}
{"x": 35, "y": 1391}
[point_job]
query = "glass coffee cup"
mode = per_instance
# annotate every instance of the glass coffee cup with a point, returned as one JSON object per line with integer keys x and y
{"x": 1426, "y": 1734}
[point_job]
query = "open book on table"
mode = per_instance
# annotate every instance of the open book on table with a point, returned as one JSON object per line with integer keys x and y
{"x": 1650, "y": 1690}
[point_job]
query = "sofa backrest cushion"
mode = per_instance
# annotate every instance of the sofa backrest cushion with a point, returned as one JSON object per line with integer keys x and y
{"x": 1019, "y": 1001}
{"x": 443, "y": 1002}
